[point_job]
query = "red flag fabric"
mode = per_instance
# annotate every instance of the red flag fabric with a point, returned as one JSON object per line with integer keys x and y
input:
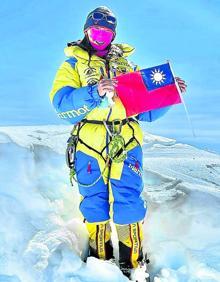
{"x": 148, "y": 89}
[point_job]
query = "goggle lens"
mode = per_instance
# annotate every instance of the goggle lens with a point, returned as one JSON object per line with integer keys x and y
{"x": 111, "y": 19}
{"x": 97, "y": 16}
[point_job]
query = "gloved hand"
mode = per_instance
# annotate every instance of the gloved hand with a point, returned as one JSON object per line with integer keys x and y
{"x": 181, "y": 83}
{"x": 106, "y": 89}
{"x": 107, "y": 85}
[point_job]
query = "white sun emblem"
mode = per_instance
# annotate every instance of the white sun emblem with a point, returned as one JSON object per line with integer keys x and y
{"x": 157, "y": 76}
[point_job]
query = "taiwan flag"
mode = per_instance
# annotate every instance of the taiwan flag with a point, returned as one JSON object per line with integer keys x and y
{"x": 147, "y": 89}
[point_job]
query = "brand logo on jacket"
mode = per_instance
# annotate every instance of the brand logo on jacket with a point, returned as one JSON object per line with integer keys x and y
{"x": 92, "y": 81}
{"x": 89, "y": 71}
{"x": 74, "y": 113}
{"x": 91, "y": 76}
{"x": 135, "y": 169}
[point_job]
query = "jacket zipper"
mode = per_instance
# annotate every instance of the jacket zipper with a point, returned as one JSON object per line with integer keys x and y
{"x": 110, "y": 111}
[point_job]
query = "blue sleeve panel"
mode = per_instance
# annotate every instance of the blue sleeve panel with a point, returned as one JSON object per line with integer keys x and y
{"x": 153, "y": 114}
{"x": 73, "y": 104}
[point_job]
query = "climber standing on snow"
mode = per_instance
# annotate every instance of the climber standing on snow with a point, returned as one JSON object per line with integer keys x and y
{"x": 105, "y": 147}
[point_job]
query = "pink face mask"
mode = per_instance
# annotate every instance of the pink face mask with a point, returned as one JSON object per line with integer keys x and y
{"x": 100, "y": 37}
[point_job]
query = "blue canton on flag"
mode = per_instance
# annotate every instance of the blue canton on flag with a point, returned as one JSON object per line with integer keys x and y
{"x": 158, "y": 76}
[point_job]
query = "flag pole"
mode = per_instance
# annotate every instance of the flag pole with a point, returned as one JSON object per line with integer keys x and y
{"x": 183, "y": 101}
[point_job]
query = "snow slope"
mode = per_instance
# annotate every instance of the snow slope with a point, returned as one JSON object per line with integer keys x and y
{"x": 42, "y": 237}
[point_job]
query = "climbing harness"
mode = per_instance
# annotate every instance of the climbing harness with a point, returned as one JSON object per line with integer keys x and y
{"x": 116, "y": 152}
{"x": 115, "y": 147}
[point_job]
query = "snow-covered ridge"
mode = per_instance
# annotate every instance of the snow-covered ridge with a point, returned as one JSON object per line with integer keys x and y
{"x": 42, "y": 236}
{"x": 53, "y": 136}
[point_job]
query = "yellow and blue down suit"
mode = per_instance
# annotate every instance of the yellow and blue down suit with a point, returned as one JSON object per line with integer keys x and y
{"x": 118, "y": 193}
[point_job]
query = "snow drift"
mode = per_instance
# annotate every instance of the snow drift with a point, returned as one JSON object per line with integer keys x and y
{"x": 42, "y": 237}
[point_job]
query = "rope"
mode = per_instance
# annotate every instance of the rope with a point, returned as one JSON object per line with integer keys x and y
{"x": 73, "y": 173}
{"x": 116, "y": 152}
{"x": 116, "y": 145}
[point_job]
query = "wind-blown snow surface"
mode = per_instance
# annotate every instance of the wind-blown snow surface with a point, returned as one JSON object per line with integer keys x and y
{"x": 42, "y": 237}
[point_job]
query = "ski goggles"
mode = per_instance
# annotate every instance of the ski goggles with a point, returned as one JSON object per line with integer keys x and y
{"x": 98, "y": 16}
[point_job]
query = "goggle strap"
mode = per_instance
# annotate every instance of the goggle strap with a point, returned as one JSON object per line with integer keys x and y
{"x": 109, "y": 19}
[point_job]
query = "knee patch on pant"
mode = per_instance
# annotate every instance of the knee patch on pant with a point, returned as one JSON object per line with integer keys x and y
{"x": 99, "y": 240}
{"x": 130, "y": 244}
